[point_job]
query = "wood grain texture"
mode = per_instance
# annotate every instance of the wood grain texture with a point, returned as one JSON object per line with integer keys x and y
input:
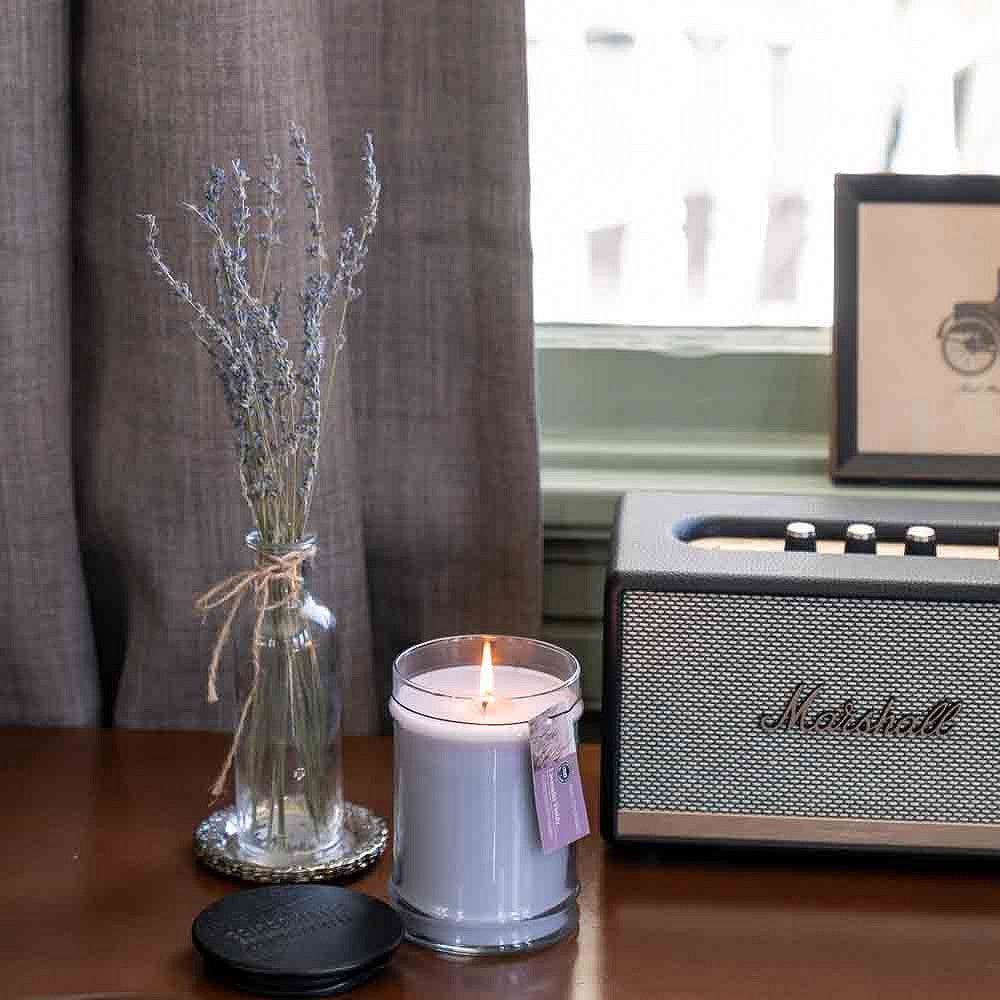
{"x": 98, "y": 888}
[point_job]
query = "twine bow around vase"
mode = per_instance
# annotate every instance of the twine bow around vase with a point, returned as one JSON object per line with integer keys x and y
{"x": 270, "y": 569}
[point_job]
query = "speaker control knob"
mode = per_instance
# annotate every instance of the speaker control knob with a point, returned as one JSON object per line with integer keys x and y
{"x": 800, "y": 536}
{"x": 860, "y": 539}
{"x": 921, "y": 541}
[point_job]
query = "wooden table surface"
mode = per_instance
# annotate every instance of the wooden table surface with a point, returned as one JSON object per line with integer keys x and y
{"x": 98, "y": 888}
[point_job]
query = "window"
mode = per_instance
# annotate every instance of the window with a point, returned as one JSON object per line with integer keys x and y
{"x": 683, "y": 153}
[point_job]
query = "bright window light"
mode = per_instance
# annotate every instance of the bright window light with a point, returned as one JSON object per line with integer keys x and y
{"x": 683, "y": 153}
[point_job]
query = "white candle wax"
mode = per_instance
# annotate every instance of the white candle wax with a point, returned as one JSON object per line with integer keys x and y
{"x": 467, "y": 846}
{"x": 451, "y": 694}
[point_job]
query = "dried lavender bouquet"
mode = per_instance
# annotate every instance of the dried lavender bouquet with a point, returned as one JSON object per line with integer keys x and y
{"x": 277, "y": 400}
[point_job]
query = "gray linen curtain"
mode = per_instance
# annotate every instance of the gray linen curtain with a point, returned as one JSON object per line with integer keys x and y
{"x": 119, "y": 497}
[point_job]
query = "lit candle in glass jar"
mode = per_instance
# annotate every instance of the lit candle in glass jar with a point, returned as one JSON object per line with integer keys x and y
{"x": 469, "y": 873}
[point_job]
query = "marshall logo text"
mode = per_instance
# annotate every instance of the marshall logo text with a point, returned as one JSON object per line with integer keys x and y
{"x": 938, "y": 720}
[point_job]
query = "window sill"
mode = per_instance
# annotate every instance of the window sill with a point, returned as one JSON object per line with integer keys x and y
{"x": 685, "y": 341}
{"x": 743, "y": 412}
{"x": 582, "y": 476}
{"x": 580, "y": 503}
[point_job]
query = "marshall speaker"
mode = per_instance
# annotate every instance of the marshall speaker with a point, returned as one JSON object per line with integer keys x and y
{"x": 809, "y": 696}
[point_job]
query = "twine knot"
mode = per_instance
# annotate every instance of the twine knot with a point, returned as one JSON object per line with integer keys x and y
{"x": 270, "y": 569}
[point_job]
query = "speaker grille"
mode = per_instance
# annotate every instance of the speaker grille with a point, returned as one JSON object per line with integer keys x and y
{"x": 698, "y": 670}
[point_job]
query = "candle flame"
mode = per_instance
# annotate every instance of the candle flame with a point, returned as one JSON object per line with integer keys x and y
{"x": 486, "y": 675}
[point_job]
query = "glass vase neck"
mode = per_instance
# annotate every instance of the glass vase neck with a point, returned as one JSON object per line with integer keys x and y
{"x": 306, "y": 545}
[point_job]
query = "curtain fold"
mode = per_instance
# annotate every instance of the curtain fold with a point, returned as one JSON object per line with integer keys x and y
{"x": 427, "y": 506}
{"x": 444, "y": 386}
{"x": 47, "y": 666}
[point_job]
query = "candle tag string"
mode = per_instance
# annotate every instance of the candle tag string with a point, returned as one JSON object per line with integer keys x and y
{"x": 270, "y": 569}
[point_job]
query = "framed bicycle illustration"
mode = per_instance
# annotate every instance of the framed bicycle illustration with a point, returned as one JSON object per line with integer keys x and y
{"x": 917, "y": 328}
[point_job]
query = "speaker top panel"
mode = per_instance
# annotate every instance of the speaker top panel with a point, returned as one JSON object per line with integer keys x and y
{"x": 735, "y": 543}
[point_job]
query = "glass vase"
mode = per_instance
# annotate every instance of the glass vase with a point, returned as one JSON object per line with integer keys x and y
{"x": 289, "y": 792}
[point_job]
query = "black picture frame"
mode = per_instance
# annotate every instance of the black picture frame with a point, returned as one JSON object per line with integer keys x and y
{"x": 847, "y": 462}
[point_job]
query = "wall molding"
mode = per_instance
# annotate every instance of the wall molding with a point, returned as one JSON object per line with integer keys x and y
{"x": 685, "y": 341}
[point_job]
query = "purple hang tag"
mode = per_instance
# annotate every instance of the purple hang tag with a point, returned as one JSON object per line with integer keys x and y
{"x": 562, "y": 812}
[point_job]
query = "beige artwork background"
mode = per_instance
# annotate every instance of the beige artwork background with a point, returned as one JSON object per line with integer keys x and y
{"x": 915, "y": 261}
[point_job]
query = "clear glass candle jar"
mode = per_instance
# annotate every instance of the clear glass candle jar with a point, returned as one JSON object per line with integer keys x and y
{"x": 469, "y": 873}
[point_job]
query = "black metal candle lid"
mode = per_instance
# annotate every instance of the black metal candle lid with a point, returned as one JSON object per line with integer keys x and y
{"x": 297, "y": 940}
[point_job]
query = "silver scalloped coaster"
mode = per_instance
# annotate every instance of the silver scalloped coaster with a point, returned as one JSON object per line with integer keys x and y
{"x": 366, "y": 835}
